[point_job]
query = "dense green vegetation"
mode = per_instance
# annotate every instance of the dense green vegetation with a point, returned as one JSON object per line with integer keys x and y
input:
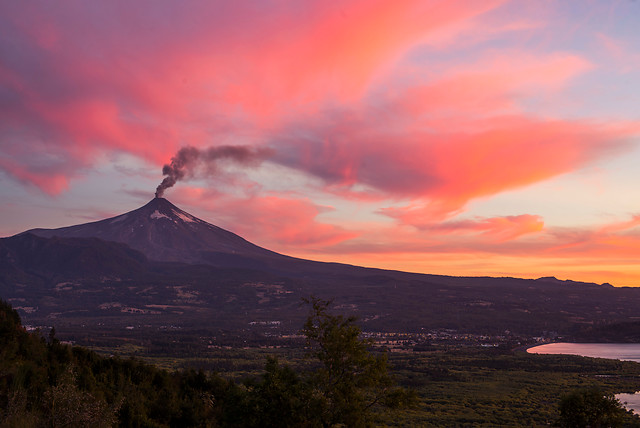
{"x": 336, "y": 379}
{"x": 46, "y": 383}
{"x": 493, "y": 387}
{"x": 590, "y": 407}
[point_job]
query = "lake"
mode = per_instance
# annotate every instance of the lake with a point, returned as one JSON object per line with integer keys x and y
{"x": 614, "y": 351}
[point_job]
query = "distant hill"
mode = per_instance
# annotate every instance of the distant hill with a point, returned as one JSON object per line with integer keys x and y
{"x": 618, "y": 332}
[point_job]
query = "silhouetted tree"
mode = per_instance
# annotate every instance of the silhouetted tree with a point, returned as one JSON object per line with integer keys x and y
{"x": 279, "y": 399}
{"x": 351, "y": 380}
{"x": 590, "y": 408}
{"x": 66, "y": 405}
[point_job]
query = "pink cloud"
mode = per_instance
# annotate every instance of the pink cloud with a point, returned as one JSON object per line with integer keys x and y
{"x": 50, "y": 183}
{"x": 276, "y": 222}
{"x": 339, "y": 74}
{"x": 498, "y": 229}
{"x": 291, "y": 222}
{"x": 494, "y": 84}
{"x": 618, "y": 240}
{"x": 146, "y": 80}
{"x": 440, "y": 172}
{"x": 519, "y": 237}
{"x": 515, "y": 246}
{"x": 625, "y": 58}
{"x": 455, "y": 137}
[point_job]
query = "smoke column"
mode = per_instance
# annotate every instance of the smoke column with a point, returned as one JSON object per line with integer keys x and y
{"x": 188, "y": 159}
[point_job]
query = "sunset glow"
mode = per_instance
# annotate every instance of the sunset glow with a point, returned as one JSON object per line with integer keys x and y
{"x": 465, "y": 138}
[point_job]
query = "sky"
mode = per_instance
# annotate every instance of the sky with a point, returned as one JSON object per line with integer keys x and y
{"x": 465, "y": 138}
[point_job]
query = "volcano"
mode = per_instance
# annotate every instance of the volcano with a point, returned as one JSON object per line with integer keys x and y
{"x": 160, "y": 265}
{"x": 164, "y": 232}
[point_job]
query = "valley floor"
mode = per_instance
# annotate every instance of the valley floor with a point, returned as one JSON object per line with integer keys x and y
{"x": 460, "y": 385}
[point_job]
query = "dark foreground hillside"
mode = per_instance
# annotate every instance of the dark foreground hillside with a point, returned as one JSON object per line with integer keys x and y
{"x": 44, "y": 383}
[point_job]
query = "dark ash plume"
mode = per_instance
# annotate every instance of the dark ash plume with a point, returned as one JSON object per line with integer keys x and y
{"x": 185, "y": 162}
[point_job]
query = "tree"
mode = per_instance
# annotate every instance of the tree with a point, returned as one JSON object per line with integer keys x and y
{"x": 279, "y": 399}
{"x": 342, "y": 384}
{"x": 350, "y": 380}
{"x": 66, "y": 405}
{"x": 590, "y": 408}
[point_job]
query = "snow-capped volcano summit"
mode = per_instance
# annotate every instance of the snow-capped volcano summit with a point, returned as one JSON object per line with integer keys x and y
{"x": 164, "y": 232}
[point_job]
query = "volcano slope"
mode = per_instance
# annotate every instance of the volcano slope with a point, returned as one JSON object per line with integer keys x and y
{"x": 159, "y": 268}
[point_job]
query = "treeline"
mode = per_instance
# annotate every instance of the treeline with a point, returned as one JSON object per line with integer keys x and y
{"x": 46, "y": 383}
{"x": 621, "y": 332}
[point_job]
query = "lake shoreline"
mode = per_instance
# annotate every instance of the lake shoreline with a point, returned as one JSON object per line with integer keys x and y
{"x": 614, "y": 351}
{"x": 525, "y": 348}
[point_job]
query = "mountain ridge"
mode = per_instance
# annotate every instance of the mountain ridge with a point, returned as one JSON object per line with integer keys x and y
{"x": 163, "y": 232}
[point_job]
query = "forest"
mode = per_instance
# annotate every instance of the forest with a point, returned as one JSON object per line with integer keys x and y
{"x": 337, "y": 379}
{"x": 44, "y": 382}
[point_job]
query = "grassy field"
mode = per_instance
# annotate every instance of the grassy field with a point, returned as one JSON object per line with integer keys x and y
{"x": 457, "y": 387}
